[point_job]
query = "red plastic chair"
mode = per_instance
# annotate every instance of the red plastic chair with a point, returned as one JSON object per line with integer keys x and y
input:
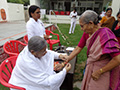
{"x": 6, "y": 68}
{"x": 67, "y": 12}
{"x": 13, "y": 47}
{"x": 26, "y": 39}
{"x": 52, "y": 41}
{"x": 56, "y": 12}
{"x": 62, "y": 13}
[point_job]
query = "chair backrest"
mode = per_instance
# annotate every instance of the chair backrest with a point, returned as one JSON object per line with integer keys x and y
{"x": 26, "y": 39}
{"x": 56, "y": 12}
{"x": 47, "y": 32}
{"x": 67, "y": 12}
{"x": 6, "y": 68}
{"x": 62, "y": 13}
{"x": 13, "y": 47}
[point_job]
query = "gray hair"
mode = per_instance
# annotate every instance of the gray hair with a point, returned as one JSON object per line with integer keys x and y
{"x": 88, "y": 16}
{"x": 36, "y": 43}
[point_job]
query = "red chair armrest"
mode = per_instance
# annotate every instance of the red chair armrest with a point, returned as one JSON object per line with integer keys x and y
{"x": 54, "y": 34}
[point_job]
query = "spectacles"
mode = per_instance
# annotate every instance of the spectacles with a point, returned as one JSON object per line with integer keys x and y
{"x": 82, "y": 25}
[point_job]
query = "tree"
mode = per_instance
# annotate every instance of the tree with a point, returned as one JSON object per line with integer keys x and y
{"x": 25, "y": 2}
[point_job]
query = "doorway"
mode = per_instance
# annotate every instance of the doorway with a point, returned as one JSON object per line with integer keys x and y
{"x": 67, "y": 6}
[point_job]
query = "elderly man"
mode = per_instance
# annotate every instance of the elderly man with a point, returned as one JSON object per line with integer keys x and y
{"x": 34, "y": 67}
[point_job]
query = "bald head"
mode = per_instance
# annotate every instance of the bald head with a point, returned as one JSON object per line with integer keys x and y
{"x": 88, "y": 16}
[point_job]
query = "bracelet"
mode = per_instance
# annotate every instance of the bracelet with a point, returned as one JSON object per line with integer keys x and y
{"x": 60, "y": 56}
{"x": 101, "y": 70}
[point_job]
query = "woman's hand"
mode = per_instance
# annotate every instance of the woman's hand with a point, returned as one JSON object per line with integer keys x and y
{"x": 68, "y": 67}
{"x": 58, "y": 67}
{"x": 96, "y": 75}
{"x": 64, "y": 57}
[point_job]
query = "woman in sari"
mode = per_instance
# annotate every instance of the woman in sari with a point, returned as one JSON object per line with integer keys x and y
{"x": 116, "y": 27}
{"x": 108, "y": 20}
{"x": 103, "y": 54}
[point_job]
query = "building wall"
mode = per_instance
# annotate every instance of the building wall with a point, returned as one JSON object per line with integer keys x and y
{"x": 115, "y": 6}
{"x": 3, "y": 5}
{"x": 35, "y": 2}
{"x": 16, "y": 12}
{"x": 13, "y": 11}
{"x": 81, "y": 5}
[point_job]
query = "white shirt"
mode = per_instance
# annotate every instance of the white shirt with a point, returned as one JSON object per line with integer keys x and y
{"x": 35, "y": 28}
{"x": 102, "y": 14}
{"x": 37, "y": 74}
{"x": 73, "y": 19}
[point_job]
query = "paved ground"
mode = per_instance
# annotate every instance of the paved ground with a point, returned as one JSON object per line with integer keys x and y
{"x": 12, "y": 31}
{"x": 77, "y": 84}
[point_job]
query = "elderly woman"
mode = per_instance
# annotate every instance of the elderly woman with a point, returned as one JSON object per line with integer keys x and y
{"x": 35, "y": 26}
{"x": 103, "y": 53}
{"x": 34, "y": 67}
{"x": 107, "y": 20}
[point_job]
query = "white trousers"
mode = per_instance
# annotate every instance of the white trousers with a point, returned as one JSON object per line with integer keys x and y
{"x": 73, "y": 24}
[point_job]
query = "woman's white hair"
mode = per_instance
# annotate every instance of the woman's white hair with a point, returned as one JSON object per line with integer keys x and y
{"x": 88, "y": 16}
{"x": 36, "y": 43}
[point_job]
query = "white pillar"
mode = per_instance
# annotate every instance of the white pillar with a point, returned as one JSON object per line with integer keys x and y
{"x": 115, "y": 6}
{"x": 35, "y": 2}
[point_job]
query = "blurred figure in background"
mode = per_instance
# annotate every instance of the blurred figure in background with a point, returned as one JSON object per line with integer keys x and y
{"x": 116, "y": 27}
{"x": 103, "y": 13}
{"x": 107, "y": 20}
{"x": 73, "y": 16}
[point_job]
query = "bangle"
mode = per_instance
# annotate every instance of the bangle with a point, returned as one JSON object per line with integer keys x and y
{"x": 101, "y": 70}
{"x": 60, "y": 56}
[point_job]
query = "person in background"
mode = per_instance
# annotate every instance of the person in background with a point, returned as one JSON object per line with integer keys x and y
{"x": 116, "y": 27}
{"x": 34, "y": 69}
{"x": 103, "y": 12}
{"x": 103, "y": 54}
{"x": 107, "y": 20}
{"x": 34, "y": 26}
{"x": 73, "y": 16}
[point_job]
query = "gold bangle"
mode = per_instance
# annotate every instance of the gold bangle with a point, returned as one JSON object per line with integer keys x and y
{"x": 101, "y": 70}
{"x": 60, "y": 56}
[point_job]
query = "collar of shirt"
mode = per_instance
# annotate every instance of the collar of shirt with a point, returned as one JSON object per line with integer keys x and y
{"x": 33, "y": 20}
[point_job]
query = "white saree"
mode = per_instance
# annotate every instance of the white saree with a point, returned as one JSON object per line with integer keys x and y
{"x": 37, "y": 74}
